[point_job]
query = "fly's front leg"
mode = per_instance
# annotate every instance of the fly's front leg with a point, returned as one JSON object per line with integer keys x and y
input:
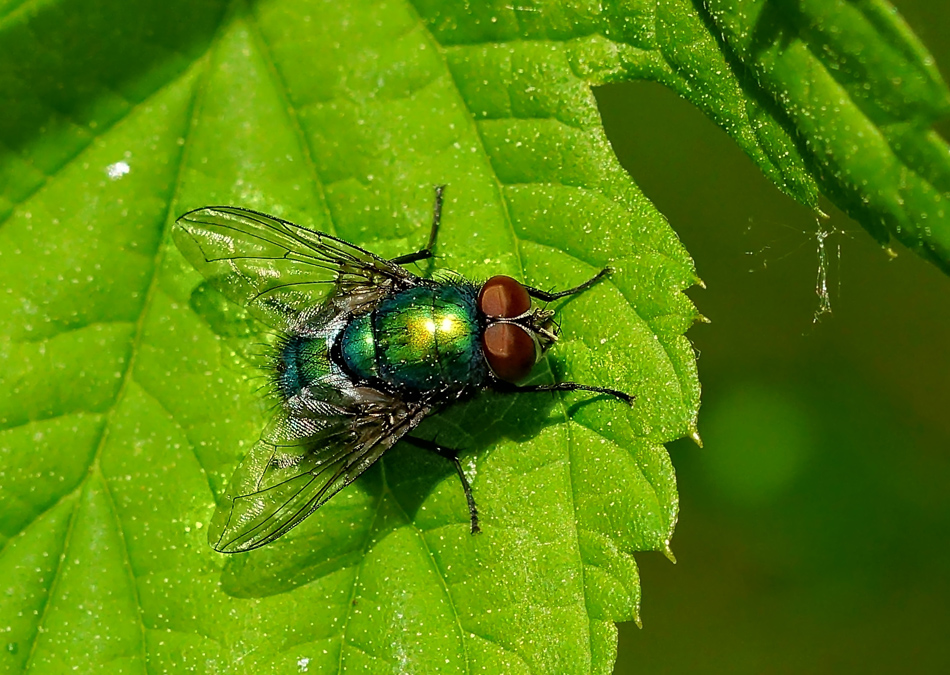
{"x": 545, "y": 296}
{"x": 452, "y": 456}
{"x": 426, "y": 253}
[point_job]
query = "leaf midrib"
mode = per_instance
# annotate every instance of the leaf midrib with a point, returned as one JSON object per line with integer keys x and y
{"x": 520, "y": 261}
{"x": 127, "y": 379}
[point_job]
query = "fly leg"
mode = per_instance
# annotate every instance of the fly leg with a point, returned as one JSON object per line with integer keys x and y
{"x": 436, "y": 220}
{"x": 452, "y": 456}
{"x": 507, "y": 388}
{"x": 545, "y": 296}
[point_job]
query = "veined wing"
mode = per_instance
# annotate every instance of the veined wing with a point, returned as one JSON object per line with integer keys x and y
{"x": 278, "y": 269}
{"x": 299, "y": 464}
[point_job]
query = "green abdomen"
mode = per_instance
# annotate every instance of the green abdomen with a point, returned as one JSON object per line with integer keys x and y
{"x": 420, "y": 339}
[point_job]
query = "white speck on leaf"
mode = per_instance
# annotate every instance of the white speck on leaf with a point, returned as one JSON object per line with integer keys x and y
{"x": 117, "y": 170}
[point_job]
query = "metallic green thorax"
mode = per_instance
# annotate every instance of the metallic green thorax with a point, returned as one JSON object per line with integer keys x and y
{"x": 421, "y": 339}
{"x": 358, "y": 347}
{"x": 426, "y": 338}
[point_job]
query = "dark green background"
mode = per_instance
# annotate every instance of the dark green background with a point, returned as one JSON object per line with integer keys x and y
{"x": 814, "y": 532}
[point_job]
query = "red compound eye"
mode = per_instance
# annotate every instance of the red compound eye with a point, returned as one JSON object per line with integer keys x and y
{"x": 503, "y": 298}
{"x": 510, "y": 351}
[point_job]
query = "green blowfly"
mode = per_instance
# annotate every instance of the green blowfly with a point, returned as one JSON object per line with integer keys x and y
{"x": 367, "y": 351}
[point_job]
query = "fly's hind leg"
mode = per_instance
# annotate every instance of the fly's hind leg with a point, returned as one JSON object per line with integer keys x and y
{"x": 452, "y": 456}
{"x": 426, "y": 253}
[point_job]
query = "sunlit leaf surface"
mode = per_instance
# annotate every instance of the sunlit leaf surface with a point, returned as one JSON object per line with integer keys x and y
{"x": 128, "y": 390}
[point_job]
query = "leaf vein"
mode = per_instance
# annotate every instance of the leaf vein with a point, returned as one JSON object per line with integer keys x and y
{"x": 438, "y": 573}
{"x": 52, "y": 587}
{"x": 356, "y": 580}
{"x": 302, "y": 139}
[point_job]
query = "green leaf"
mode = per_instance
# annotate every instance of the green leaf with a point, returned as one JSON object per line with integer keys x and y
{"x": 128, "y": 386}
{"x": 130, "y": 393}
{"x": 861, "y": 94}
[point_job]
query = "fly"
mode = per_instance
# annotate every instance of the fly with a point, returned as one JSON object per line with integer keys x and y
{"x": 367, "y": 351}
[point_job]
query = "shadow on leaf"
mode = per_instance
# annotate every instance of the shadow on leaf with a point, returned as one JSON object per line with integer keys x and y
{"x": 391, "y": 494}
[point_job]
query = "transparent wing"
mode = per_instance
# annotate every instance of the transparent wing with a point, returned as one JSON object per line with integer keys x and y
{"x": 299, "y": 464}
{"x": 278, "y": 269}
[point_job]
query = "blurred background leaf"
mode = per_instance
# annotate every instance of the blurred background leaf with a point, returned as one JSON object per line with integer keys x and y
{"x": 814, "y": 522}
{"x": 128, "y": 391}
